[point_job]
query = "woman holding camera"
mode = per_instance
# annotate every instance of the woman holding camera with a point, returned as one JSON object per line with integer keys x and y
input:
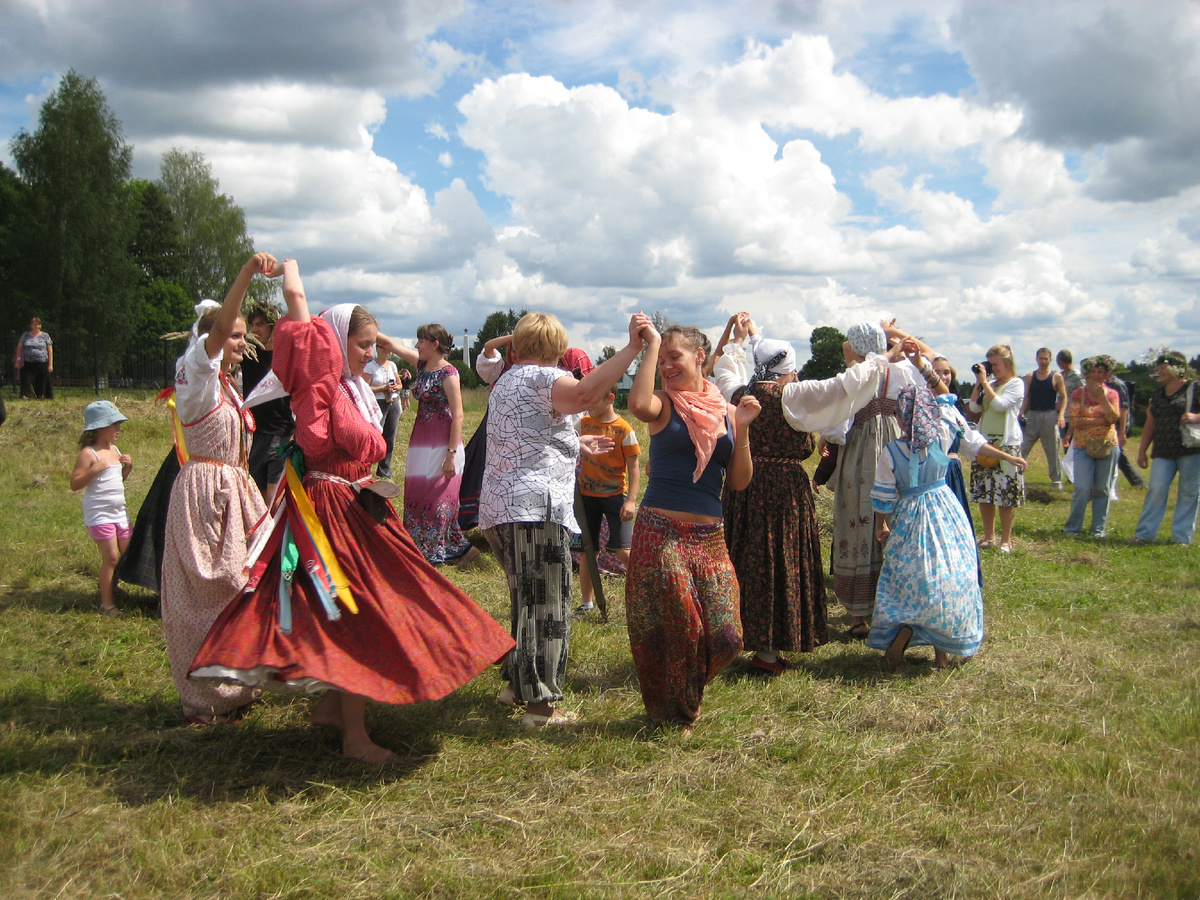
{"x": 999, "y": 398}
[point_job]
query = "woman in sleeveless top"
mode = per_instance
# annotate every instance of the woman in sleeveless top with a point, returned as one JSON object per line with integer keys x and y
{"x": 213, "y": 506}
{"x": 681, "y": 594}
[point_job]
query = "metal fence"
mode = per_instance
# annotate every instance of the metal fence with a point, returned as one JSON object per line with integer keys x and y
{"x": 84, "y": 359}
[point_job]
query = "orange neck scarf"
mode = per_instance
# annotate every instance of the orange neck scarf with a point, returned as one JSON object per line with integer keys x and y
{"x": 703, "y": 412}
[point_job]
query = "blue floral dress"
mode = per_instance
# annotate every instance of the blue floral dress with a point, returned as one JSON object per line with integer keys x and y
{"x": 929, "y": 579}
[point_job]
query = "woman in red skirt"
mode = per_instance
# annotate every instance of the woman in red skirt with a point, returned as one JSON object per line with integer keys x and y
{"x": 340, "y": 598}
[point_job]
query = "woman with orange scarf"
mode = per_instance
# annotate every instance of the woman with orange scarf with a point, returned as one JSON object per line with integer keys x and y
{"x": 681, "y": 594}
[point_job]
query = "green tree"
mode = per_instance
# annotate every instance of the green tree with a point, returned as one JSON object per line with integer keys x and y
{"x": 157, "y": 243}
{"x": 162, "y": 305}
{"x": 212, "y": 228}
{"x": 12, "y": 245}
{"x": 76, "y": 165}
{"x": 826, "y": 360}
{"x": 606, "y": 354}
{"x": 494, "y": 325}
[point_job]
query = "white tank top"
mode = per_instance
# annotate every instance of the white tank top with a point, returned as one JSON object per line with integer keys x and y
{"x": 104, "y": 497}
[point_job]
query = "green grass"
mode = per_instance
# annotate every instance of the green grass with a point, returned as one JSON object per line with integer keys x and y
{"x": 1063, "y": 761}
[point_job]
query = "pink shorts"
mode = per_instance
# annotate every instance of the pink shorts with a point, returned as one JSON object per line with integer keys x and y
{"x": 110, "y": 531}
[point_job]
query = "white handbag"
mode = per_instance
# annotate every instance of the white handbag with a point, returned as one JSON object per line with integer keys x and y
{"x": 1190, "y": 433}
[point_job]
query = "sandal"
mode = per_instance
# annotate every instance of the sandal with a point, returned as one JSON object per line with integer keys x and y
{"x": 858, "y": 632}
{"x": 777, "y": 667}
{"x": 986, "y": 545}
{"x": 1006, "y": 548}
{"x": 111, "y": 612}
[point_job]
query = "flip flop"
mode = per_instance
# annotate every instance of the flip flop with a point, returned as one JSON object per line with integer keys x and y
{"x": 858, "y": 632}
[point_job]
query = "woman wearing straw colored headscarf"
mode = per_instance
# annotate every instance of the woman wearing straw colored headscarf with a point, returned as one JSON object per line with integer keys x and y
{"x": 342, "y": 599}
{"x": 856, "y": 555}
{"x": 928, "y": 592}
{"x": 214, "y": 507}
{"x": 681, "y": 594}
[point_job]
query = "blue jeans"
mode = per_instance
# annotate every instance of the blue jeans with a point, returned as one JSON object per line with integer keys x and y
{"x": 1092, "y": 480}
{"x": 1155, "y": 506}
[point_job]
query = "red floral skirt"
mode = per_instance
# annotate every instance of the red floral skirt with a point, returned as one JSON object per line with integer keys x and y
{"x": 416, "y": 636}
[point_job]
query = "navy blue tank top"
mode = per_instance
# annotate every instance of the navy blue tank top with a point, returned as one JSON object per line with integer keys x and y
{"x": 672, "y": 463}
{"x": 1042, "y": 395}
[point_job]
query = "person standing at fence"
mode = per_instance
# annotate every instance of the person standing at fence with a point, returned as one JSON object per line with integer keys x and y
{"x": 34, "y": 357}
{"x": 213, "y": 506}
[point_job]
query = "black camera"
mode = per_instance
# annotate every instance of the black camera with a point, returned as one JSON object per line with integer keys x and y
{"x": 982, "y": 367}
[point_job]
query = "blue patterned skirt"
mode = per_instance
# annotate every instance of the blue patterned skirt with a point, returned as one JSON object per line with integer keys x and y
{"x": 929, "y": 579}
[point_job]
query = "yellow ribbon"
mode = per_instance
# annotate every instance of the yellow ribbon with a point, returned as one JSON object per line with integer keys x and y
{"x": 341, "y": 584}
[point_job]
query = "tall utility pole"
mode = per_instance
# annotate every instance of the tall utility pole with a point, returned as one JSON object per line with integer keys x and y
{"x": 466, "y": 349}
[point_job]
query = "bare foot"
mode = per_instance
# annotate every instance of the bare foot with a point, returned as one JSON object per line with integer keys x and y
{"x": 895, "y": 653}
{"x": 940, "y": 659}
{"x": 328, "y": 710}
{"x": 471, "y": 555}
{"x": 366, "y": 750}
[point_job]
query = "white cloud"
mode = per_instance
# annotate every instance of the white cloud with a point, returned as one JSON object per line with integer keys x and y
{"x": 1118, "y": 73}
{"x": 636, "y": 197}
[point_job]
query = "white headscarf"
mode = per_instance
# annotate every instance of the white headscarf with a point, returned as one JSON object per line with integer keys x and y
{"x": 360, "y": 392}
{"x": 204, "y": 306}
{"x": 772, "y": 358}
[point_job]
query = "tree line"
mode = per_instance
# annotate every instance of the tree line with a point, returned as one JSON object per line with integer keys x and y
{"x": 86, "y": 247}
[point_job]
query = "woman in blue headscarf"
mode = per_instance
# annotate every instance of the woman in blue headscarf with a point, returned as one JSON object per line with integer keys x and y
{"x": 928, "y": 590}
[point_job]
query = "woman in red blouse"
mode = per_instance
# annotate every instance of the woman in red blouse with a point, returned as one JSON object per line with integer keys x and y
{"x": 385, "y": 625}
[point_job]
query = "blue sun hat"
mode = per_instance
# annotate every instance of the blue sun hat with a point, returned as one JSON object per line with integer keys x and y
{"x": 101, "y": 414}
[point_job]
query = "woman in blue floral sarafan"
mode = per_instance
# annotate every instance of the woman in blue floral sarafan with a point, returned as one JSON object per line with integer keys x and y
{"x": 928, "y": 588}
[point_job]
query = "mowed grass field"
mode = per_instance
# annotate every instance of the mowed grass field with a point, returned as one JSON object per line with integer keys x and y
{"x": 1062, "y": 761}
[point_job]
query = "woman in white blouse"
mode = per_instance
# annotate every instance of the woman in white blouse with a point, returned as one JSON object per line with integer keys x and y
{"x": 999, "y": 398}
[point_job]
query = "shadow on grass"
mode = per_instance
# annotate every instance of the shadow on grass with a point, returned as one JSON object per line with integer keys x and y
{"x": 611, "y": 677}
{"x": 144, "y": 753}
{"x": 71, "y": 599}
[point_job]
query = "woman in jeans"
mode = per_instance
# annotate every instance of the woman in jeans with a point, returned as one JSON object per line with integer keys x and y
{"x": 1095, "y": 409}
{"x": 1169, "y": 408}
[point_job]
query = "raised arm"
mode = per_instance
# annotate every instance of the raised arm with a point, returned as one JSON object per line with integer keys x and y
{"x": 394, "y": 347}
{"x": 572, "y": 396}
{"x": 231, "y": 307}
{"x": 644, "y": 403}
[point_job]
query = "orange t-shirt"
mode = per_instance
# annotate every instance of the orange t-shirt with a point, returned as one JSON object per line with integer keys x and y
{"x": 604, "y": 475}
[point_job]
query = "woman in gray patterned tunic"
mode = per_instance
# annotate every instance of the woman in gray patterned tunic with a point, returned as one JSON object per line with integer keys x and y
{"x": 526, "y": 507}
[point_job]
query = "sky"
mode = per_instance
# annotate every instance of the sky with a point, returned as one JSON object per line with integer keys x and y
{"x": 984, "y": 171}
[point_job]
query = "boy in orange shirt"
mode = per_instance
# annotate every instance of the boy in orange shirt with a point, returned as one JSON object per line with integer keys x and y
{"x": 608, "y": 483}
